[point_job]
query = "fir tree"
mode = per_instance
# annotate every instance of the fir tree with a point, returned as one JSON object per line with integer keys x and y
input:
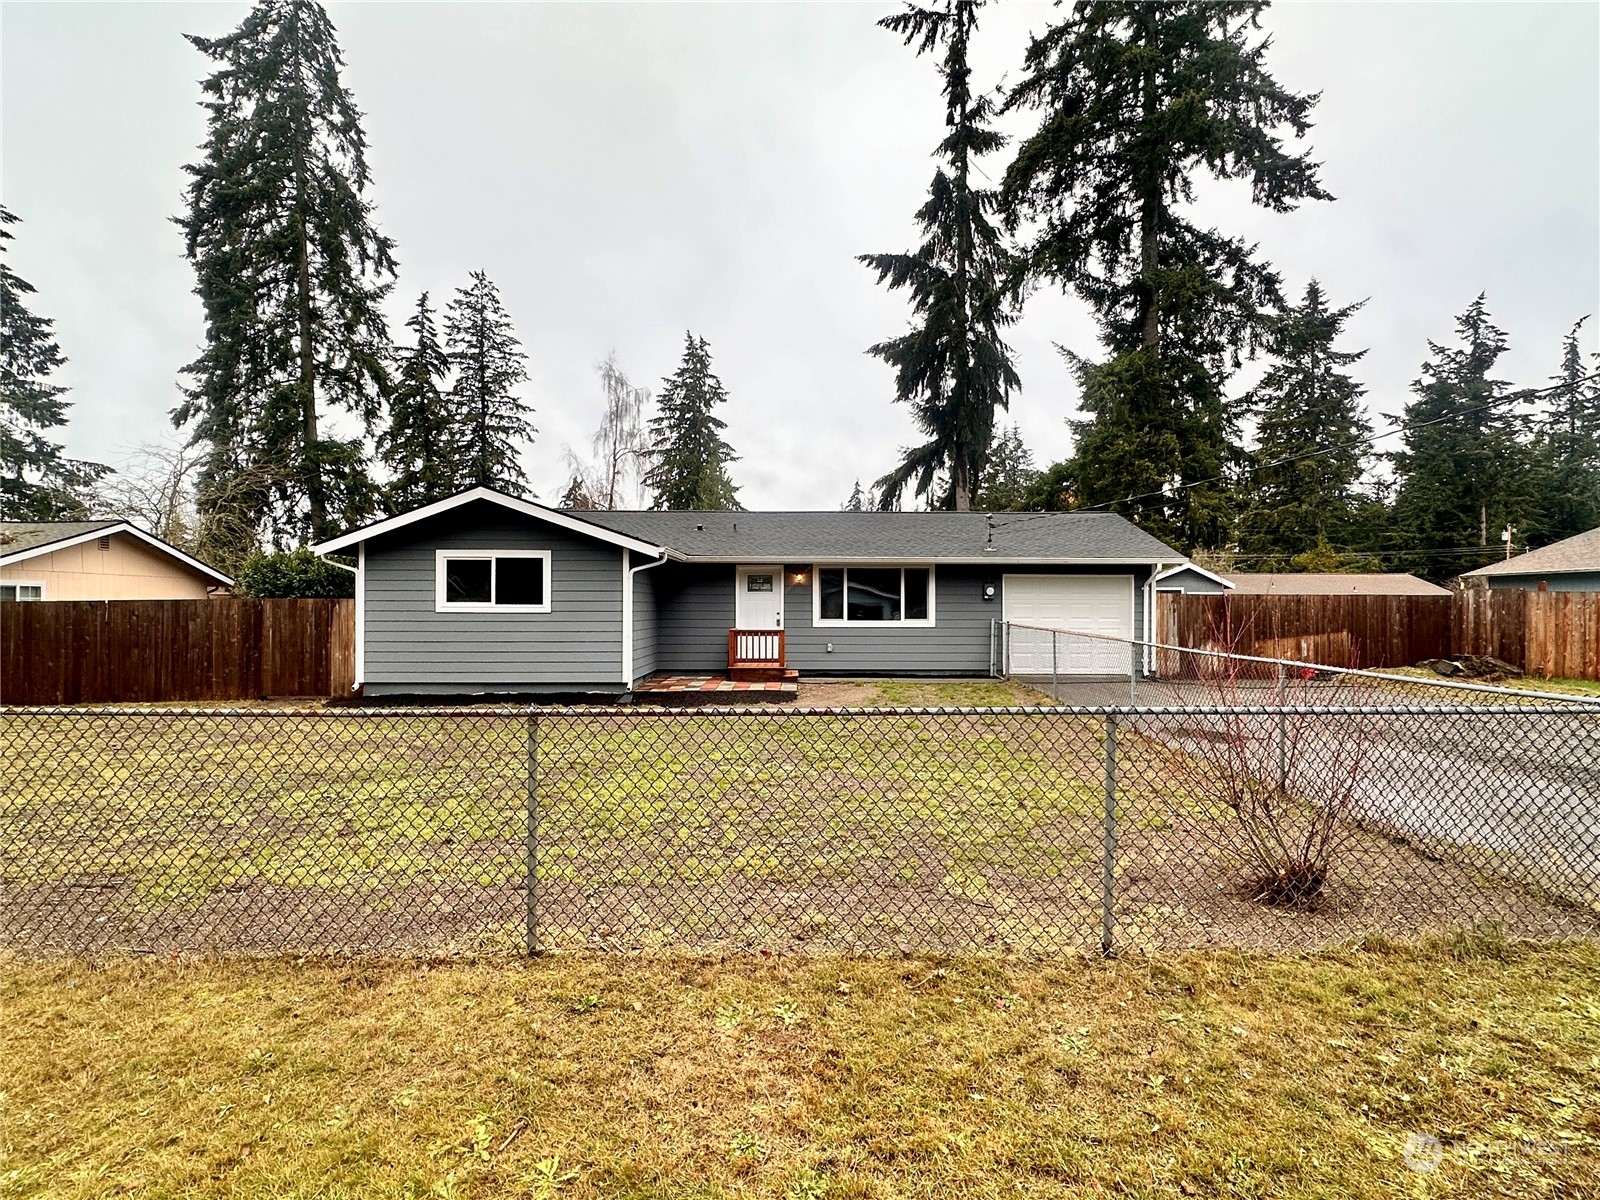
{"x": 952, "y": 367}
{"x": 291, "y": 272}
{"x": 689, "y": 458}
{"x": 1464, "y": 471}
{"x": 1010, "y": 476}
{"x": 492, "y": 422}
{"x": 1567, "y": 449}
{"x": 37, "y": 481}
{"x": 1138, "y": 97}
{"x": 857, "y": 501}
{"x": 420, "y": 446}
{"x": 1301, "y": 482}
{"x": 577, "y": 494}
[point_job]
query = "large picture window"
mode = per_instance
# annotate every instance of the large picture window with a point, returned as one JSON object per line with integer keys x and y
{"x": 492, "y": 581}
{"x": 874, "y": 595}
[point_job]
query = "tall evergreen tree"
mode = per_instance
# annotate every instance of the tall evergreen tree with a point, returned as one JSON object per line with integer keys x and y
{"x": 1464, "y": 472}
{"x": 291, "y": 271}
{"x": 1567, "y": 449}
{"x": 951, "y": 367}
{"x": 420, "y": 446}
{"x": 857, "y": 501}
{"x": 689, "y": 457}
{"x": 37, "y": 481}
{"x": 1302, "y": 480}
{"x": 1138, "y": 98}
{"x": 492, "y": 422}
{"x": 1011, "y": 475}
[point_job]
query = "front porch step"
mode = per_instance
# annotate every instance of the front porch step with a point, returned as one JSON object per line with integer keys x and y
{"x": 764, "y": 673}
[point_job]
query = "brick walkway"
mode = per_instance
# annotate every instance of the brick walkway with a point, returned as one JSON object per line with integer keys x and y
{"x": 698, "y": 684}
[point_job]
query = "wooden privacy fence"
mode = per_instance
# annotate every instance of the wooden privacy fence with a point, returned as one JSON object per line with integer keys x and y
{"x": 1553, "y": 634}
{"x": 1341, "y": 631}
{"x": 92, "y": 651}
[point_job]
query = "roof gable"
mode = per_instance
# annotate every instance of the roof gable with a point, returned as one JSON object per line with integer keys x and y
{"x": 527, "y": 508}
{"x": 23, "y": 540}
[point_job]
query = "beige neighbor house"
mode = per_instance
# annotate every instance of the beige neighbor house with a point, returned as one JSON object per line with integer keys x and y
{"x": 98, "y": 560}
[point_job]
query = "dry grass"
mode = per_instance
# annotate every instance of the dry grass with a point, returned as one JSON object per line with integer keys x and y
{"x": 585, "y": 1077}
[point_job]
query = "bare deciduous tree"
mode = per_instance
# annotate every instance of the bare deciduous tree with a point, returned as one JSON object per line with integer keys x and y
{"x": 613, "y": 478}
{"x": 157, "y": 490}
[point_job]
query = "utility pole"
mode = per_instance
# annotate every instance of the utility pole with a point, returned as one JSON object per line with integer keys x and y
{"x": 1506, "y": 538}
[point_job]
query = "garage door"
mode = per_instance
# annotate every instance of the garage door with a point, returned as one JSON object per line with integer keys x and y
{"x": 1098, "y": 604}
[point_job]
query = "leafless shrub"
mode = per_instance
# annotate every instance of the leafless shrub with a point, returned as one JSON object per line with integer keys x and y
{"x": 1287, "y": 781}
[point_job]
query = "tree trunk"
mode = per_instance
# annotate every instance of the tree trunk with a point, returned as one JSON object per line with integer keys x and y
{"x": 1149, "y": 232}
{"x": 308, "y": 391}
{"x": 307, "y": 348}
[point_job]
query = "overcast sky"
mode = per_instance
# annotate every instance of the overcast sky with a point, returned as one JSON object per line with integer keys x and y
{"x": 627, "y": 172}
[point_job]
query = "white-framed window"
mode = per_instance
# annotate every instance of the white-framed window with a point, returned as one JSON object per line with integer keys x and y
{"x": 872, "y": 596}
{"x": 503, "y": 581}
{"x": 14, "y": 590}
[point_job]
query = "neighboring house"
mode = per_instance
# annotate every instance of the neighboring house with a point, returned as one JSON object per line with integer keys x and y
{"x": 1570, "y": 565}
{"x": 485, "y": 593}
{"x": 1291, "y": 583}
{"x": 1190, "y": 578}
{"x": 98, "y": 560}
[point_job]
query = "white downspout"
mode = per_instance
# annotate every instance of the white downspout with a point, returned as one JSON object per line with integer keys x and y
{"x": 628, "y": 573}
{"x": 361, "y": 617}
{"x": 360, "y": 572}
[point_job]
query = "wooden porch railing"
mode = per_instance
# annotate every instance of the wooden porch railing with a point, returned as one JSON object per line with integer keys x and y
{"x": 755, "y": 648}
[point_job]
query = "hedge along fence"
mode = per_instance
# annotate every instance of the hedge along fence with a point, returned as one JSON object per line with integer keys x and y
{"x": 93, "y": 652}
{"x": 1553, "y": 634}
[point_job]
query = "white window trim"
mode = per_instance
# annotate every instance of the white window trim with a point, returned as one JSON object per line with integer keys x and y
{"x": 440, "y": 557}
{"x": 927, "y": 622}
{"x": 22, "y": 583}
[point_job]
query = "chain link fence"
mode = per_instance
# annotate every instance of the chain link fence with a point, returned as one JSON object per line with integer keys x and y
{"x": 1289, "y": 823}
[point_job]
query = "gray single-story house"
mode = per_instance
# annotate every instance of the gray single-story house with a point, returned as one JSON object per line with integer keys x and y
{"x": 1570, "y": 565}
{"x": 487, "y": 593}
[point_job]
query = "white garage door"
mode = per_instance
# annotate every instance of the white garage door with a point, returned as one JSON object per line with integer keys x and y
{"x": 1099, "y": 604}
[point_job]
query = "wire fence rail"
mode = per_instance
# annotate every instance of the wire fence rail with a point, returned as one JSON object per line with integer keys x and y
{"x": 1023, "y": 831}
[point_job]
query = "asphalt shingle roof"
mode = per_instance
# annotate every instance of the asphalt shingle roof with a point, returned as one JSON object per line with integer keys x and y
{"x": 1581, "y": 552}
{"x": 813, "y": 536}
{"x": 17, "y": 536}
{"x": 1391, "y": 583}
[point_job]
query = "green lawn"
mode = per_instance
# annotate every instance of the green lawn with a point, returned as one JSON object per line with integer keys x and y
{"x": 586, "y": 1077}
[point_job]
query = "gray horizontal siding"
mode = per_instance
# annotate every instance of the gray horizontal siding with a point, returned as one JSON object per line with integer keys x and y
{"x": 694, "y": 611}
{"x": 1192, "y": 582}
{"x": 409, "y": 646}
{"x": 644, "y": 624}
{"x": 956, "y": 644}
{"x": 1573, "y": 581}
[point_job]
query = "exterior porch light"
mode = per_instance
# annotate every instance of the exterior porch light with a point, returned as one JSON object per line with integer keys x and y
{"x": 799, "y": 576}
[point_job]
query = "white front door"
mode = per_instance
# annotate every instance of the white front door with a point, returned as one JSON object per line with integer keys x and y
{"x": 759, "y": 604}
{"x": 1094, "y": 604}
